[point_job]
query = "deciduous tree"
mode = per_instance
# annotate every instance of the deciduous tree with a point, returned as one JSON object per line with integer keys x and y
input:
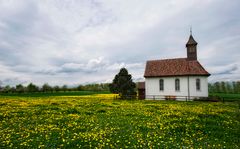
{"x": 32, "y": 88}
{"x": 46, "y": 88}
{"x": 19, "y": 88}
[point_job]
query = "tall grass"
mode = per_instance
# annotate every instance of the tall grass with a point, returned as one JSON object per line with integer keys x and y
{"x": 91, "y": 121}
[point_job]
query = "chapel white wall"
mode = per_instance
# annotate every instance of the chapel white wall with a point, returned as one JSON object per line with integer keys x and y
{"x": 153, "y": 91}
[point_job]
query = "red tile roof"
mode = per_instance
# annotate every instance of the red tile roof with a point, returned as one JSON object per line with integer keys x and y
{"x": 174, "y": 67}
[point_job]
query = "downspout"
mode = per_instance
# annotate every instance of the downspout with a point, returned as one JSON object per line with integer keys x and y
{"x": 188, "y": 89}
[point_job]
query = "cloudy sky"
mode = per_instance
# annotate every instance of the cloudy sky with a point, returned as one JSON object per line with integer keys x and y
{"x": 84, "y": 41}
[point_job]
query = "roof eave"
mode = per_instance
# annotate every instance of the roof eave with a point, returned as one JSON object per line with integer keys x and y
{"x": 146, "y": 76}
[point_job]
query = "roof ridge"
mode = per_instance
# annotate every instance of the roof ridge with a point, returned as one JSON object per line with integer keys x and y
{"x": 202, "y": 66}
{"x": 168, "y": 59}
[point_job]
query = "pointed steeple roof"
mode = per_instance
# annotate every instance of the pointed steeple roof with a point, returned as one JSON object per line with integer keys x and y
{"x": 191, "y": 41}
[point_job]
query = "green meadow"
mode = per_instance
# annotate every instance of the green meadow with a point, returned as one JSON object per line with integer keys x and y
{"x": 100, "y": 121}
{"x": 47, "y": 94}
{"x": 227, "y": 96}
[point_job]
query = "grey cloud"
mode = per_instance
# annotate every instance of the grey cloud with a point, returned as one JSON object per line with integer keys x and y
{"x": 92, "y": 66}
{"x": 230, "y": 72}
{"x": 13, "y": 81}
{"x": 89, "y": 41}
{"x": 223, "y": 70}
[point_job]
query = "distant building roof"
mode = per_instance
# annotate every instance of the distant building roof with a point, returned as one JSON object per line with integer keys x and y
{"x": 174, "y": 67}
{"x": 141, "y": 85}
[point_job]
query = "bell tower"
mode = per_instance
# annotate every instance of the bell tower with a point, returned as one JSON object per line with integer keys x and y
{"x": 191, "y": 46}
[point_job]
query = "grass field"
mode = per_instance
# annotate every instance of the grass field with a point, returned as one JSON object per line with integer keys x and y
{"x": 47, "y": 94}
{"x": 227, "y": 96}
{"x": 100, "y": 121}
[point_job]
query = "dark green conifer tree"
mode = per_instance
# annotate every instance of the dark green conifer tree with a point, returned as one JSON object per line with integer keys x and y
{"x": 123, "y": 85}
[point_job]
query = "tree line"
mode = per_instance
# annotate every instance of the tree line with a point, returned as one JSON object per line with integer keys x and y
{"x": 32, "y": 88}
{"x": 224, "y": 87}
{"x": 122, "y": 84}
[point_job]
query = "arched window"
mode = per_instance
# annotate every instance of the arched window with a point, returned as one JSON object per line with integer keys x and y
{"x": 161, "y": 84}
{"x": 177, "y": 85}
{"x": 198, "y": 84}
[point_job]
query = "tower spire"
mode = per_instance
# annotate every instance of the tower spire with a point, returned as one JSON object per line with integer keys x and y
{"x": 191, "y": 30}
{"x": 191, "y": 47}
